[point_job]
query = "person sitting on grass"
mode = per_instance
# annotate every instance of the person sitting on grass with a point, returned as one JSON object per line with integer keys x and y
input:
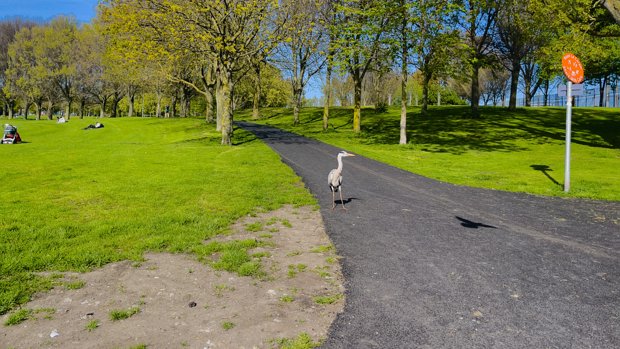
{"x": 97, "y": 125}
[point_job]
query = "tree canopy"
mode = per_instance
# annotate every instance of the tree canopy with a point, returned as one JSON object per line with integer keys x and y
{"x": 241, "y": 53}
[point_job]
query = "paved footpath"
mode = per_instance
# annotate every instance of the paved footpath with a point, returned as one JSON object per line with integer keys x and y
{"x": 433, "y": 265}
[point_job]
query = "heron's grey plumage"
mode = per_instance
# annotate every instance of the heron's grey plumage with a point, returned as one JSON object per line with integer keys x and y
{"x": 334, "y": 179}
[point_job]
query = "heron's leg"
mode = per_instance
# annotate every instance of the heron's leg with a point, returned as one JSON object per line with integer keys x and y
{"x": 333, "y": 199}
{"x": 342, "y": 200}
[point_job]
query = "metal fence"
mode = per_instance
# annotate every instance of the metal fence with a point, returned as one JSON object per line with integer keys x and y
{"x": 587, "y": 98}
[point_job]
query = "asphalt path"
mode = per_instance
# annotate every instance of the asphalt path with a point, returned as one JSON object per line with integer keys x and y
{"x": 428, "y": 264}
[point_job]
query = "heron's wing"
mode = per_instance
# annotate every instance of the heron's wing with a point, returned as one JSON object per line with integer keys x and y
{"x": 334, "y": 178}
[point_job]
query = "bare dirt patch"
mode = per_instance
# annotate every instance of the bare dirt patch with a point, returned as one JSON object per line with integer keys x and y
{"x": 180, "y": 302}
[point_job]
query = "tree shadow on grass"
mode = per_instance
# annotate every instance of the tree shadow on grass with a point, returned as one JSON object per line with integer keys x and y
{"x": 590, "y": 127}
{"x": 453, "y": 130}
{"x": 443, "y": 130}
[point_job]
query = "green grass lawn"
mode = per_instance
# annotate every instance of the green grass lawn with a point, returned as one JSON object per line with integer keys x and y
{"x": 519, "y": 151}
{"x": 75, "y": 199}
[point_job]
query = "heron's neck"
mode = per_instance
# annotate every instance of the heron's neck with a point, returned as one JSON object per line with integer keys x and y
{"x": 339, "y": 163}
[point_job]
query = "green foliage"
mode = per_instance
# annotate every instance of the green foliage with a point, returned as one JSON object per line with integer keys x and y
{"x": 139, "y": 346}
{"x": 303, "y": 341}
{"x": 136, "y": 185}
{"x": 324, "y": 300}
{"x": 221, "y": 288}
{"x": 92, "y": 325}
{"x": 116, "y": 315}
{"x": 18, "y": 317}
{"x": 228, "y": 325}
{"x": 75, "y": 285}
{"x": 294, "y": 269}
{"x": 254, "y": 227}
{"x": 323, "y": 249}
{"x": 287, "y": 299}
{"x": 233, "y": 256}
{"x": 285, "y": 222}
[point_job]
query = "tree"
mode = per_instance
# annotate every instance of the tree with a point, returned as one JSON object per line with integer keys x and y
{"x": 403, "y": 32}
{"x": 8, "y": 30}
{"x": 328, "y": 19}
{"x": 494, "y": 81}
{"x": 99, "y": 79}
{"x": 25, "y": 79}
{"x": 515, "y": 39}
{"x": 227, "y": 33}
{"x": 361, "y": 25}
{"x": 477, "y": 23}
{"x": 299, "y": 54}
{"x": 54, "y": 51}
{"x": 603, "y": 64}
{"x": 578, "y": 28}
{"x": 436, "y": 45}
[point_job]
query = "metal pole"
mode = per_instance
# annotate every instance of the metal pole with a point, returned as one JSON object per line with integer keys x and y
{"x": 569, "y": 107}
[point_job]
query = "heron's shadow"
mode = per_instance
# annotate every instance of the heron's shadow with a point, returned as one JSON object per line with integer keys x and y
{"x": 473, "y": 225}
{"x": 345, "y": 201}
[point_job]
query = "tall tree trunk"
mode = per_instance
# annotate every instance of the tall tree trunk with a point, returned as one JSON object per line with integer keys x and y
{"x": 602, "y": 88}
{"x": 425, "y": 82}
{"x": 209, "y": 74}
{"x": 357, "y": 102}
{"x": 297, "y": 99}
{"x": 158, "y": 107}
{"x": 219, "y": 108}
{"x": 26, "y": 110}
{"x": 173, "y": 107}
{"x": 528, "y": 92}
{"x": 115, "y": 100}
{"x": 68, "y": 109}
{"x": 223, "y": 98}
{"x": 50, "y": 110}
{"x": 546, "y": 94}
{"x": 475, "y": 90}
{"x": 328, "y": 91}
{"x": 39, "y": 107}
{"x": 10, "y": 107}
{"x": 82, "y": 105}
{"x": 403, "y": 92}
{"x": 514, "y": 84}
{"x": 210, "y": 105}
{"x": 103, "y": 105}
{"x": 131, "y": 104}
{"x": 184, "y": 105}
{"x": 257, "y": 92}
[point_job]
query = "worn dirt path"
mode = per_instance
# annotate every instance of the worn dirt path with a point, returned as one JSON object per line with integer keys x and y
{"x": 183, "y": 303}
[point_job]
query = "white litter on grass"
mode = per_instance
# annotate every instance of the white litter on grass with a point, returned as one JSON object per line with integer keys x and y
{"x": 54, "y": 334}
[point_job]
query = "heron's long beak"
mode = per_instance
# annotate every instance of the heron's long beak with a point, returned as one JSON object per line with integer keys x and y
{"x": 349, "y": 154}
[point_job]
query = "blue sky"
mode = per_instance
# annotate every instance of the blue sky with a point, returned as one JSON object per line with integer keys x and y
{"x": 44, "y": 10}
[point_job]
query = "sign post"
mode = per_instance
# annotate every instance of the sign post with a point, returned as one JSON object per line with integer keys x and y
{"x": 569, "y": 112}
{"x": 573, "y": 70}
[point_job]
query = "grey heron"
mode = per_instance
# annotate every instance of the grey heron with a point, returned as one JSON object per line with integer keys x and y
{"x": 335, "y": 179}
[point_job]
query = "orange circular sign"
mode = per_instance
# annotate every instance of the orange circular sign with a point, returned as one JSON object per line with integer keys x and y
{"x": 573, "y": 70}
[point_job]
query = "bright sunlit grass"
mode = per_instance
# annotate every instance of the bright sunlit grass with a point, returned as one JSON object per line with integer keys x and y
{"x": 75, "y": 199}
{"x": 519, "y": 151}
